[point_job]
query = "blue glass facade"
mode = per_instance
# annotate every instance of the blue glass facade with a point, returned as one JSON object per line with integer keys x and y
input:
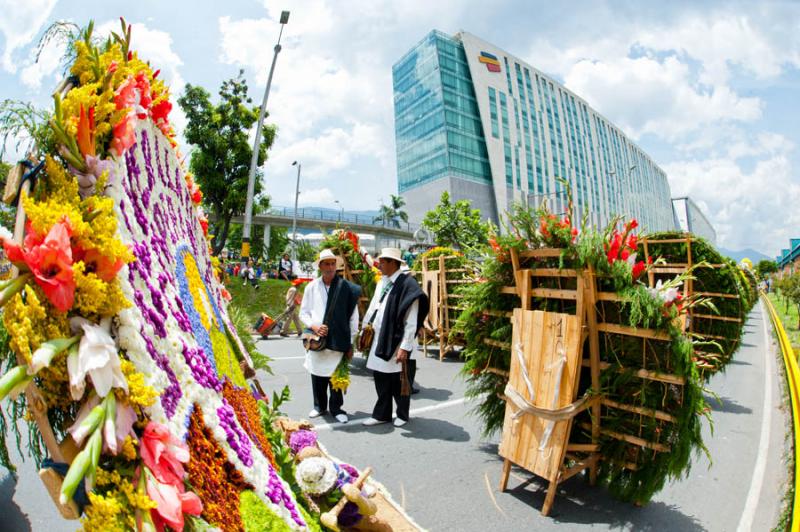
{"x": 515, "y": 131}
{"x": 438, "y": 129}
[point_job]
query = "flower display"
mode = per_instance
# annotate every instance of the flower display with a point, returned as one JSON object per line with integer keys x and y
{"x": 118, "y": 315}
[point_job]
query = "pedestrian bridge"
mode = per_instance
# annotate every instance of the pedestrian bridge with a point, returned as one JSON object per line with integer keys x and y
{"x": 317, "y": 219}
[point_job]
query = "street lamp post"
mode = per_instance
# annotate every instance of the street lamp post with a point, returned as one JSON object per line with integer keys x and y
{"x": 341, "y": 214}
{"x": 294, "y": 218}
{"x": 251, "y": 180}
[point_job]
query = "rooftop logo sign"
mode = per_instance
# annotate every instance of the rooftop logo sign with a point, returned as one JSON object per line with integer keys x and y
{"x": 490, "y": 61}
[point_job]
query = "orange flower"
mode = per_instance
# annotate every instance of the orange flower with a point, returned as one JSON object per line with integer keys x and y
{"x": 50, "y": 261}
{"x": 100, "y": 264}
{"x": 124, "y": 134}
{"x": 85, "y": 132}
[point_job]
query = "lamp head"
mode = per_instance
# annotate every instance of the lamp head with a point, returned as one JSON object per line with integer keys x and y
{"x": 284, "y": 17}
{"x": 294, "y": 163}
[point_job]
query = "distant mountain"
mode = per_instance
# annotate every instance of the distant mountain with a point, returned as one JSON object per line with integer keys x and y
{"x": 751, "y": 254}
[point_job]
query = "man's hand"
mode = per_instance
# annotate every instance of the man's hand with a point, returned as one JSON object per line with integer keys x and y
{"x": 321, "y": 330}
{"x": 402, "y": 356}
{"x": 349, "y": 354}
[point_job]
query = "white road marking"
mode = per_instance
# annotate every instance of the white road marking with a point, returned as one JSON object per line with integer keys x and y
{"x": 411, "y": 413}
{"x": 759, "y": 471}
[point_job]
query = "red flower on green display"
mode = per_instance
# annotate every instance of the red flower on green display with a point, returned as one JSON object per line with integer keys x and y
{"x": 124, "y": 134}
{"x": 85, "y": 132}
{"x": 50, "y": 260}
{"x": 164, "y": 454}
{"x": 99, "y": 264}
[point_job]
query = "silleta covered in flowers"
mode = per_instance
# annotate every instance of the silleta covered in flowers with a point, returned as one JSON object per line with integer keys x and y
{"x": 119, "y": 323}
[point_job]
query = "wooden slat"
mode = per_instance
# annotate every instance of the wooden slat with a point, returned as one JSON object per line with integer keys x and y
{"x": 715, "y": 337}
{"x": 716, "y": 294}
{"x": 552, "y": 293}
{"x": 553, "y": 272}
{"x": 632, "y": 331}
{"x": 608, "y": 296}
{"x": 577, "y": 468}
{"x": 650, "y": 412}
{"x": 668, "y": 269}
{"x": 499, "y": 313}
{"x": 714, "y": 317}
{"x": 495, "y": 343}
{"x": 583, "y": 447}
{"x": 543, "y": 252}
{"x": 458, "y": 281}
{"x": 633, "y": 440}
{"x": 643, "y": 373}
{"x": 508, "y": 290}
{"x": 668, "y": 240}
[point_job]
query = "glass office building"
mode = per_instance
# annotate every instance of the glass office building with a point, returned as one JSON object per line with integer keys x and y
{"x": 483, "y": 125}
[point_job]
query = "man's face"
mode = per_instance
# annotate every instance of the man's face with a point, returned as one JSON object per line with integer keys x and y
{"x": 387, "y": 266}
{"x": 328, "y": 269}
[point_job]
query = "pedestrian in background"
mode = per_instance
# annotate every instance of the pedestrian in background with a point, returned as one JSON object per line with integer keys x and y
{"x": 329, "y": 308}
{"x": 290, "y": 313}
{"x": 397, "y": 311}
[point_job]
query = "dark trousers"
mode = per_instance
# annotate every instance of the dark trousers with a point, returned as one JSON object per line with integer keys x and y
{"x": 412, "y": 371}
{"x": 388, "y": 387}
{"x": 320, "y": 386}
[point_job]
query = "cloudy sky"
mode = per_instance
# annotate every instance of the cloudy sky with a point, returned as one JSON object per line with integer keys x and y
{"x": 710, "y": 91}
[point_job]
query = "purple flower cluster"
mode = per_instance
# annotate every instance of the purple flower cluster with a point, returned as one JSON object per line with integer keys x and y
{"x": 278, "y": 494}
{"x": 202, "y": 371}
{"x": 172, "y": 394}
{"x": 237, "y": 439}
{"x": 300, "y": 439}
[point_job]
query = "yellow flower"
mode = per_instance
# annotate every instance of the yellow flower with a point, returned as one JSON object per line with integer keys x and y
{"x": 93, "y": 296}
{"x": 139, "y": 393}
{"x": 128, "y": 450}
{"x": 339, "y": 382}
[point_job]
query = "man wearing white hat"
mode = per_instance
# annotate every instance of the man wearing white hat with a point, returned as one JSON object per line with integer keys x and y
{"x": 329, "y": 309}
{"x": 397, "y": 311}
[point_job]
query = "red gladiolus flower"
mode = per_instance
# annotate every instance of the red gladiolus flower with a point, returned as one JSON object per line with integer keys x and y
{"x": 633, "y": 224}
{"x": 172, "y": 503}
{"x": 124, "y": 134}
{"x": 112, "y": 67}
{"x": 632, "y": 242}
{"x": 50, "y": 261}
{"x": 145, "y": 99}
{"x": 160, "y": 111}
{"x": 204, "y": 225}
{"x": 638, "y": 269}
{"x": 624, "y": 254}
{"x": 613, "y": 250}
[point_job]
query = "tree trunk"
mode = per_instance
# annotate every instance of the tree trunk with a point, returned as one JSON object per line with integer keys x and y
{"x": 221, "y": 239}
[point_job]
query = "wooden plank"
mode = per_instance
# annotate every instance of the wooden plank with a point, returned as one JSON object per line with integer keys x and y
{"x": 669, "y": 269}
{"x": 553, "y": 272}
{"x": 508, "y": 290}
{"x": 583, "y": 447}
{"x": 541, "y": 252}
{"x": 642, "y": 373}
{"x": 633, "y": 440}
{"x": 499, "y": 313}
{"x": 577, "y": 468}
{"x": 716, "y": 294}
{"x": 715, "y": 337}
{"x": 496, "y": 343}
{"x": 650, "y": 412}
{"x": 609, "y": 296}
{"x": 613, "y": 328}
{"x": 552, "y": 293}
{"x": 458, "y": 281}
{"x": 543, "y": 337}
{"x": 714, "y": 317}
{"x": 669, "y": 240}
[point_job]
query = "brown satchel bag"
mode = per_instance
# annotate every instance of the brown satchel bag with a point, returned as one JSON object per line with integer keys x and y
{"x": 368, "y": 332}
{"x": 315, "y": 342}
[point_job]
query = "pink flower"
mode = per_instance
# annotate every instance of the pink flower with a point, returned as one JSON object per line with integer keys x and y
{"x": 164, "y": 454}
{"x": 172, "y": 503}
{"x": 50, "y": 261}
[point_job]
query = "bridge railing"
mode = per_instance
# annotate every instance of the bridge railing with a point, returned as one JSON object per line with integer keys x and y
{"x": 342, "y": 217}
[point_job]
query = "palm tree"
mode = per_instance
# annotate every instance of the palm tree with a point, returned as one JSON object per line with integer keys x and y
{"x": 389, "y": 214}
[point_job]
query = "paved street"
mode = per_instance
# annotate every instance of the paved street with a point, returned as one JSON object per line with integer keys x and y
{"x": 445, "y": 475}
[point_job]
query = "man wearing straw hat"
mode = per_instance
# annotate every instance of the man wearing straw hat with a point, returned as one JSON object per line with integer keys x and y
{"x": 329, "y": 309}
{"x": 397, "y": 311}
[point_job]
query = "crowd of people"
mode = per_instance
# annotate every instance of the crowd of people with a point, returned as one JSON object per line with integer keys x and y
{"x": 253, "y": 271}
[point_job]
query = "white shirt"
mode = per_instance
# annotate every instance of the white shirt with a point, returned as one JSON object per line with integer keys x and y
{"x": 409, "y": 329}
{"x": 312, "y": 312}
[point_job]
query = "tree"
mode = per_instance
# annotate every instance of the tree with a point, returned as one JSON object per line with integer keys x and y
{"x": 765, "y": 267}
{"x": 222, "y": 151}
{"x": 389, "y": 214}
{"x": 8, "y": 215}
{"x": 456, "y": 224}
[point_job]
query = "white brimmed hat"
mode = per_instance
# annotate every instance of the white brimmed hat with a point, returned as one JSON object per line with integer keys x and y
{"x": 325, "y": 254}
{"x": 316, "y": 475}
{"x": 391, "y": 253}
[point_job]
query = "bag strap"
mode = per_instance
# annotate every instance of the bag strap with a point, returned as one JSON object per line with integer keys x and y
{"x": 383, "y": 296}
{"x": 333, "y": 302}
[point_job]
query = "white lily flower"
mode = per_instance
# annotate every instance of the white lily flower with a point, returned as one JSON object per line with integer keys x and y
{"x": 97, "y": 357}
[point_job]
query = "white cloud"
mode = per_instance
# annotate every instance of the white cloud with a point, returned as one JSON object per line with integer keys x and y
{"x": 48, "y": 64}
{"x": 645, "y": 95}
{"x": 747, "y": 208}
{"x": 316, "y": 196}
{"x": 20, "y": 23}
